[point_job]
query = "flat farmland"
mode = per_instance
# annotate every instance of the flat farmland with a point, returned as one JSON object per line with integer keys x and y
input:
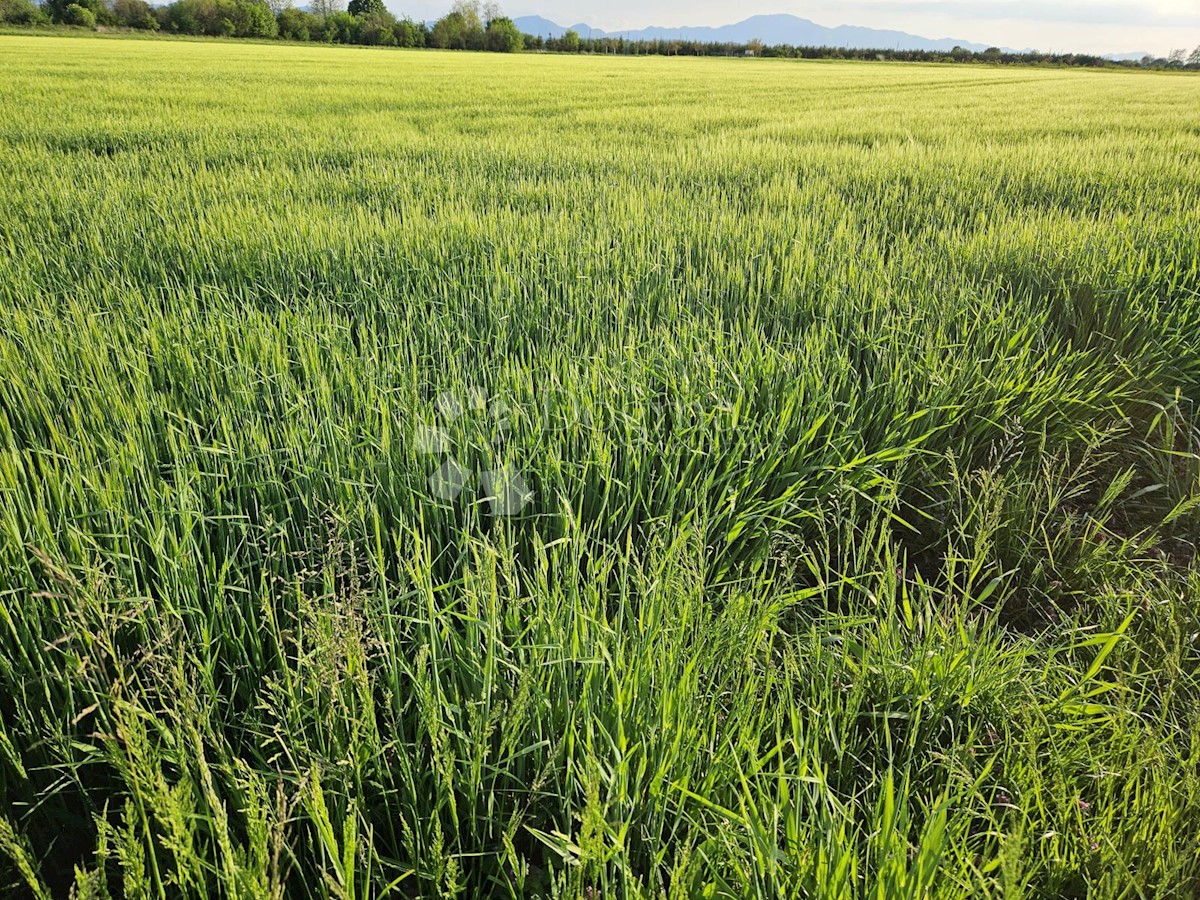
{"x": 447, "y": 474}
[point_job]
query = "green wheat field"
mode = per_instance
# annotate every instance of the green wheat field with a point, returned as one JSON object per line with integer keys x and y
{"x": 458, "y": 475}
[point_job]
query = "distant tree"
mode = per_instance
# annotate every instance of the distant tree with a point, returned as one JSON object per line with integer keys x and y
{"x": 376, "y": 30}
{"x": 1176, "y": 57}
{"x": 754, "y": 47}
{"x": 460, "y": 29}
{"x": 58, "y": 11}
{"x": 254, "y": 18}
{"x": 570, "y": 41}
{"x": 75, "y": 14}
{"x": 1194, "y": 60}
{"x": 180, "y": 17}
{"x": 278, "y": 6}
{"x": 135, "y": 14}
{"x": 366, "y": 8}
{"x": 338, "y": 27}
{"x": 503, "y": 36}
{"x": 231, "y": 18}
{"x": 21, "y": 12}
{"x": 449, "y": 32}
{"x": 297, "y": 25}
{"x": 410, "y": 33}
{"x": 325, "y": 8}
{"x": 471, "y": 12}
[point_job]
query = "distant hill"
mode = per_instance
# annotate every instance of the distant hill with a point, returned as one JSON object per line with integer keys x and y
{"x": 776, "y": 29}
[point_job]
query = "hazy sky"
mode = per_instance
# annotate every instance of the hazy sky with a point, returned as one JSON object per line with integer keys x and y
{"x": 1108, "y": 26}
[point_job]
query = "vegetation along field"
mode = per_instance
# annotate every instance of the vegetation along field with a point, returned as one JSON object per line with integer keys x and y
{"x": 432, "y": 474}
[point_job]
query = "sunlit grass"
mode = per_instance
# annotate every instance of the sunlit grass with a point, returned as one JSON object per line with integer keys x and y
{"x": 855, "y": 406}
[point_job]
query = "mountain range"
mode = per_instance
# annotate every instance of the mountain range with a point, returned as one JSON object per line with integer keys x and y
{"x": 773, "y": 29}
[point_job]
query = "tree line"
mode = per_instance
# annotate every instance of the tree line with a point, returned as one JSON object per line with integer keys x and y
{"x": 572, "y": 42}
{"x": 471, "y": 25}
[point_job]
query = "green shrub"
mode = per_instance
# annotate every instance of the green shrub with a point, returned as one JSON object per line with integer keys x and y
{"x": 58, "y": 11}
{"x": 79, "y": 15}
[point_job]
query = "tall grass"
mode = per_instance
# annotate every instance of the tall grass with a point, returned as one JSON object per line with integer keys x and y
{"x": 856, "y": 413}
